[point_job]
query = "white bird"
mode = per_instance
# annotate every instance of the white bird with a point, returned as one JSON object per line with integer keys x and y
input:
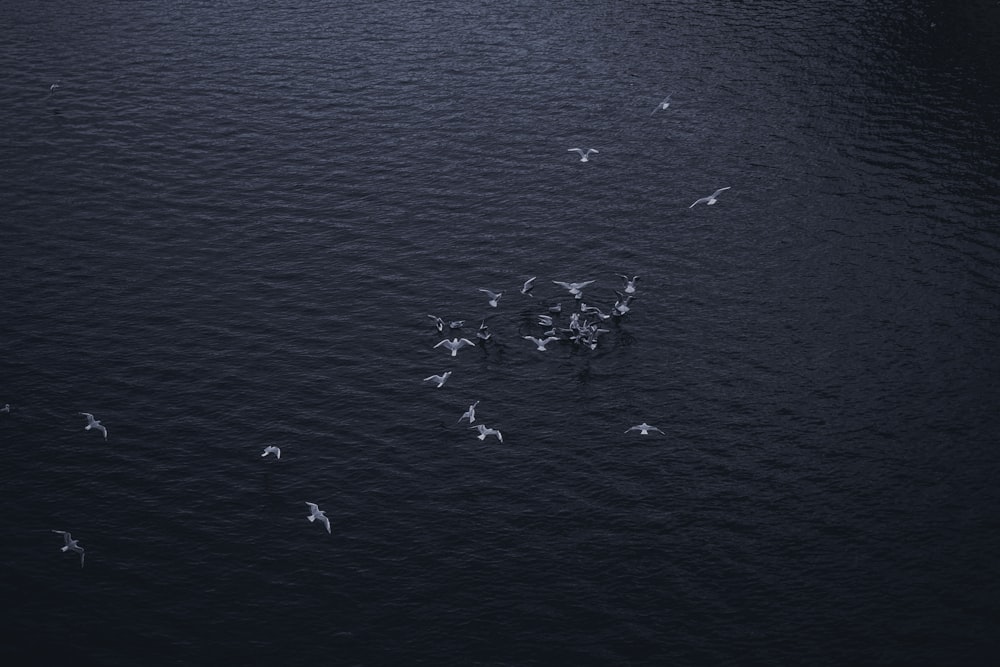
{"x": 485, "y": 431}
{"x": 529, "y": 285}
{"x": 5, "y": 408}
{"x": 644, "y": 429}
{"x": 545, "y": 320}
{"x": 456, "y": 324}
{"x": 494, "y": 296}
{"x": 94, "y": 423}
{"x": 584, "y": 154}
{"x": 470, "y": 414}
{"x": 574, "y": 288}
{"x": 629, "y": 283}
{"x": 710, "y": 199}
{"x": 455, "y": 344}
{"x": 541, "y": 343}
{"x": 440, "y": 379}
{"x": 484, "y": 332}
{"x": 662, "y": 105}
{"x": 438, "y": 322}
{"x": 317, "y": 513}
{"x": 271, "y": 449}
{"x": 71, "y": 544}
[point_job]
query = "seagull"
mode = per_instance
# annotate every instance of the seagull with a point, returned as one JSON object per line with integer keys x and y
{"x": 710, "y": 199}
{"x": 545, "y": 320}
{"x": 629, "y": 283}
{"x": 574, "y": 288}
{"x": 584, "y": 154}
{"x": 529, "y": 285}
{"x": 455, "y": 344}
{"x": 440, "y": 379}
{"x": 541, "y": 343}
{"x": 456, "y": 324}
{"x": 470, "y": 414}
{"x": 662, "y": 105}
{"x": 438, "y": 322}
{"x": 494, "y": 296}
{"x": 5, "y": 408}
{"x": 485, "y": 431}
{"x": 484, "y": 332}
{"x": 71, "y": 544}
{"x": 317, "y": 513}
{"x": 54, "y": 86}
{"x": 644, "y": 429}
{"x": 94, "y": 423}
{"x": 271, "y": 449}
{"x": 555, "y": 308}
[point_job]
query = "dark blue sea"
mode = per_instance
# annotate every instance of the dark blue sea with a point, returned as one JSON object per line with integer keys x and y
{"x": 226, "y": 225}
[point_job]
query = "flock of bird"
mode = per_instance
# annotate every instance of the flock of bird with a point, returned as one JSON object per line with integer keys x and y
{"x": 583, "y": 329}
{"x": 582, "y": 325}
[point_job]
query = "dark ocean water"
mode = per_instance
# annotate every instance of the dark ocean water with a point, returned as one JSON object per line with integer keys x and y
{"x": 227, "y": 225}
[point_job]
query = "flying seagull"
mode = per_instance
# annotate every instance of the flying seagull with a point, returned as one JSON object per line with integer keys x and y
{"x": 317, "y": 513}
{"x": 271, "y": 449}
{"x": 541, "y": 343}
{"x": 494, "y": 296}
{"x": 71, "y": 544}
{"x": 485, "y": 431}
{"x": 629, "y": 283}
{"x": 662, "y": 105}
{"x": 710, "y": 199}
{"x": 94, "y": 423}
{"x": 470, "y": 414}
{"x": 438, "y": 322}
{"x": 574, "y": 288}
{"x": 644, "y": 429}
{"x": 529, "y": 285}
{"x": 455, "y": 344}
{"x": 440, "y": 379}
{"x": 584, "y": 154}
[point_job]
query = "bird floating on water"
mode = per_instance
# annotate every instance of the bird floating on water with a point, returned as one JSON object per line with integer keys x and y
{"x": 584, "y": 154}
{"x": 470, "y": 414}
{"x": 315, "y": 513}
{"x": 485, "y": 431}
{"x": 494, "y": 296}
{"x": 644, "y": 429}
{"x": 271, "y": 449}
{"x": 440, "y": 379}
{"x": 710, "y": 199}
{"x": 94, "y": 423}
{"x": 455, "y": 344}
{"x": 71, "y": 544}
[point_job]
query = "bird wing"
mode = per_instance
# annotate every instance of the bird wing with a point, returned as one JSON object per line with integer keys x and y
{"x": 593, "y": 150}
{"x": 313, "y": 506}
{"x": 578, "y": 150}
{"x": 703, "y": 199}
{"x": 720, "y": 190}
{"x": 562, "y": 284}
{"x": 444, "y": 342}
{"x": 467, "y": 342}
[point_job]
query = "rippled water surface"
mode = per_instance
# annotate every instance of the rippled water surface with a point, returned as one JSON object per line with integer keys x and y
{"x": 226, "y": 225}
